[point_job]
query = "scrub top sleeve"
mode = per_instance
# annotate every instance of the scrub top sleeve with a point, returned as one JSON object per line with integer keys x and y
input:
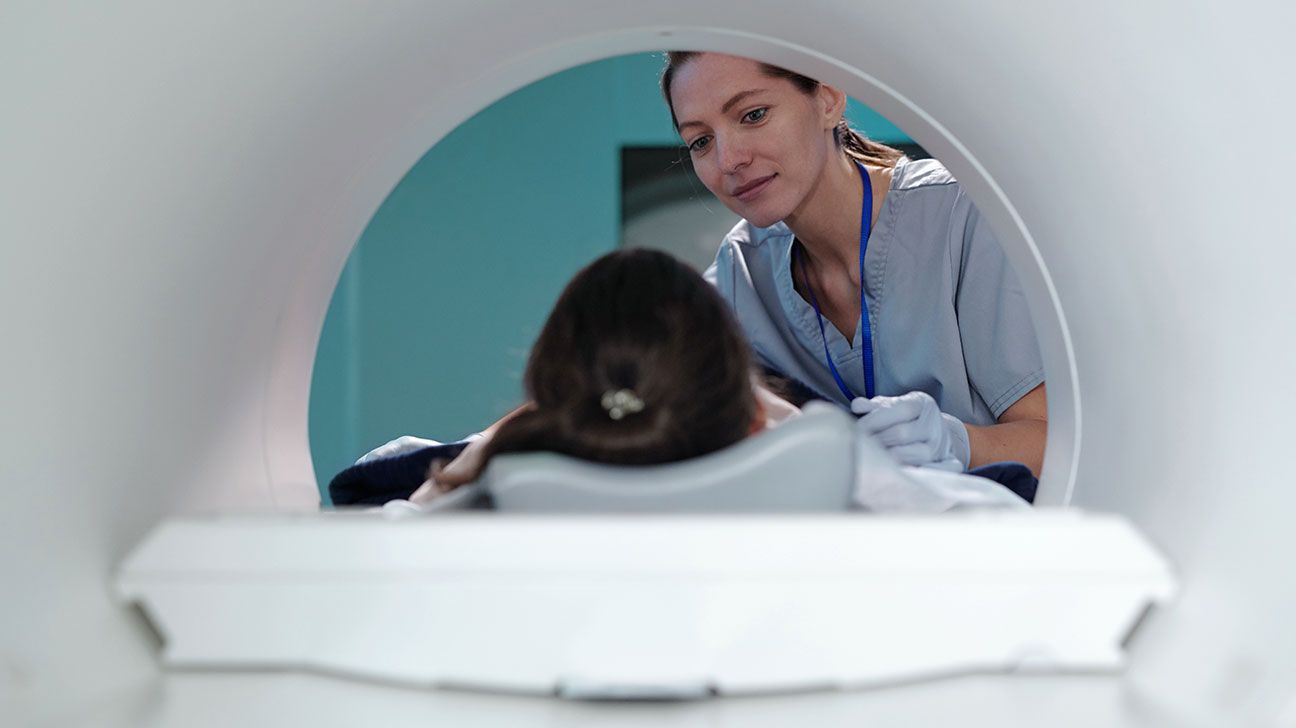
{"x": 719, "y": 273}
{"x": 722, "y": 274}
{"x": 999, "y": 344}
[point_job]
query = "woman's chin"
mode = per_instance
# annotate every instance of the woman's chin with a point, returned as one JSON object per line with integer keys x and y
{"x": 762, "y": 218}
{"x": 763, "y": 211}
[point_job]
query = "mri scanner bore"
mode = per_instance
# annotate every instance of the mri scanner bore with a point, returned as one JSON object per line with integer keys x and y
{"x": 183, "y": 185}
{"x": 840, "y": 234}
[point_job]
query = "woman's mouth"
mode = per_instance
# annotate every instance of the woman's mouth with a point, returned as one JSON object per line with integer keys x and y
{"x": 751, "y": 190}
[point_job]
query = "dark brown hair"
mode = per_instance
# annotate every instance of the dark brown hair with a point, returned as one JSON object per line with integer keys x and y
{"x": 636, "y": 320}
{"x": 852, "y": 142}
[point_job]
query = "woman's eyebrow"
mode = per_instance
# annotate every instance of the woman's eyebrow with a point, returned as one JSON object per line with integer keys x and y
{"x": 733, "y": 101}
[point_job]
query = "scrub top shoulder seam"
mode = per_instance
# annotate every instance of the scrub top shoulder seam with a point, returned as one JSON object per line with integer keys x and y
{"x": 905, "y": 182}
{"x": 1016, "y": 392}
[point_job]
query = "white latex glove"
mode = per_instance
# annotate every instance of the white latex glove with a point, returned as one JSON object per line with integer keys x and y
{"x": 915, "y": 431}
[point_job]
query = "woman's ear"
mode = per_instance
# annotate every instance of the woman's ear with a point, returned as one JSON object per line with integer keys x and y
{"x": 832, "y": 104}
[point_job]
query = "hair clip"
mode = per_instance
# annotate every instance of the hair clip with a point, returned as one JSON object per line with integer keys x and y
{"x": 621, "y": 402}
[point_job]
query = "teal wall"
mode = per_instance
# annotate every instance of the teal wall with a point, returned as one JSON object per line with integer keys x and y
{"x": 428, "y": 330}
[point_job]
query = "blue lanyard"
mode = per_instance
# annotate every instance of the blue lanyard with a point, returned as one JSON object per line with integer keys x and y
{"x": 866, "y": 330}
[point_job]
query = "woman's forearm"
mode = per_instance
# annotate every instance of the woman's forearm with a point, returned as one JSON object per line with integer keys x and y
{"x": 1020, "y": 440}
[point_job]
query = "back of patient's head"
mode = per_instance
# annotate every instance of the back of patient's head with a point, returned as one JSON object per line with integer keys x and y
{"x": 635, "y": 327}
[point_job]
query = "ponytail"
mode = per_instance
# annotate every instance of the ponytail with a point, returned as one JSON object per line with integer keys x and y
{"x": 863, "y": 149}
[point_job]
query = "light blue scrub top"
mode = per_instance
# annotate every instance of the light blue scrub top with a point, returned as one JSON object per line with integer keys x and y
{"x": 948, "y": 315}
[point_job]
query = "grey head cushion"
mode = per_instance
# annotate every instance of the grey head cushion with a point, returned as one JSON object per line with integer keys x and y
{"x": 807, "y": 464}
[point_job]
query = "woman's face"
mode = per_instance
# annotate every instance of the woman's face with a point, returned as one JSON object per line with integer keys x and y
{"x": 757, "y": 142}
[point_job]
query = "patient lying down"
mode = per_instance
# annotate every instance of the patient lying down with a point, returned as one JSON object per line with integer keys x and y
{"x": 639, "y": 363}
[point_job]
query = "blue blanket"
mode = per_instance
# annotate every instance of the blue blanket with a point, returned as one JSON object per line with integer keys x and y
{"x": 384, "y": 479}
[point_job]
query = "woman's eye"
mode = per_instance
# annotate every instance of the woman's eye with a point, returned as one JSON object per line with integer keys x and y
{"x": 755, "y": 115}
{"x": 699, "y": 144}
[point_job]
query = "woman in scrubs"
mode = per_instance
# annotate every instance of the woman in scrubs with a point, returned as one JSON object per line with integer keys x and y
{"x": 869, "y": 278}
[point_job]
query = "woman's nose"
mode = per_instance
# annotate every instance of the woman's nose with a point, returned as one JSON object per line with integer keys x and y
{"x": 733, "y": 154}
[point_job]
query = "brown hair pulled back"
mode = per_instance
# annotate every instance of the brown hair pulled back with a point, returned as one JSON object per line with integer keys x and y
{"x": 852, "y": 142}
{"x": 639, "y": 320}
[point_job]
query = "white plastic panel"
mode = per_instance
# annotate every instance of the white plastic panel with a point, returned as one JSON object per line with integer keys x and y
{"x": 648, "y": 606}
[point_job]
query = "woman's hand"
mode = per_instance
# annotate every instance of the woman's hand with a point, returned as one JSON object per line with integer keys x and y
{"x": 915, "y": 431}
{"x": 444, "y": 475}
